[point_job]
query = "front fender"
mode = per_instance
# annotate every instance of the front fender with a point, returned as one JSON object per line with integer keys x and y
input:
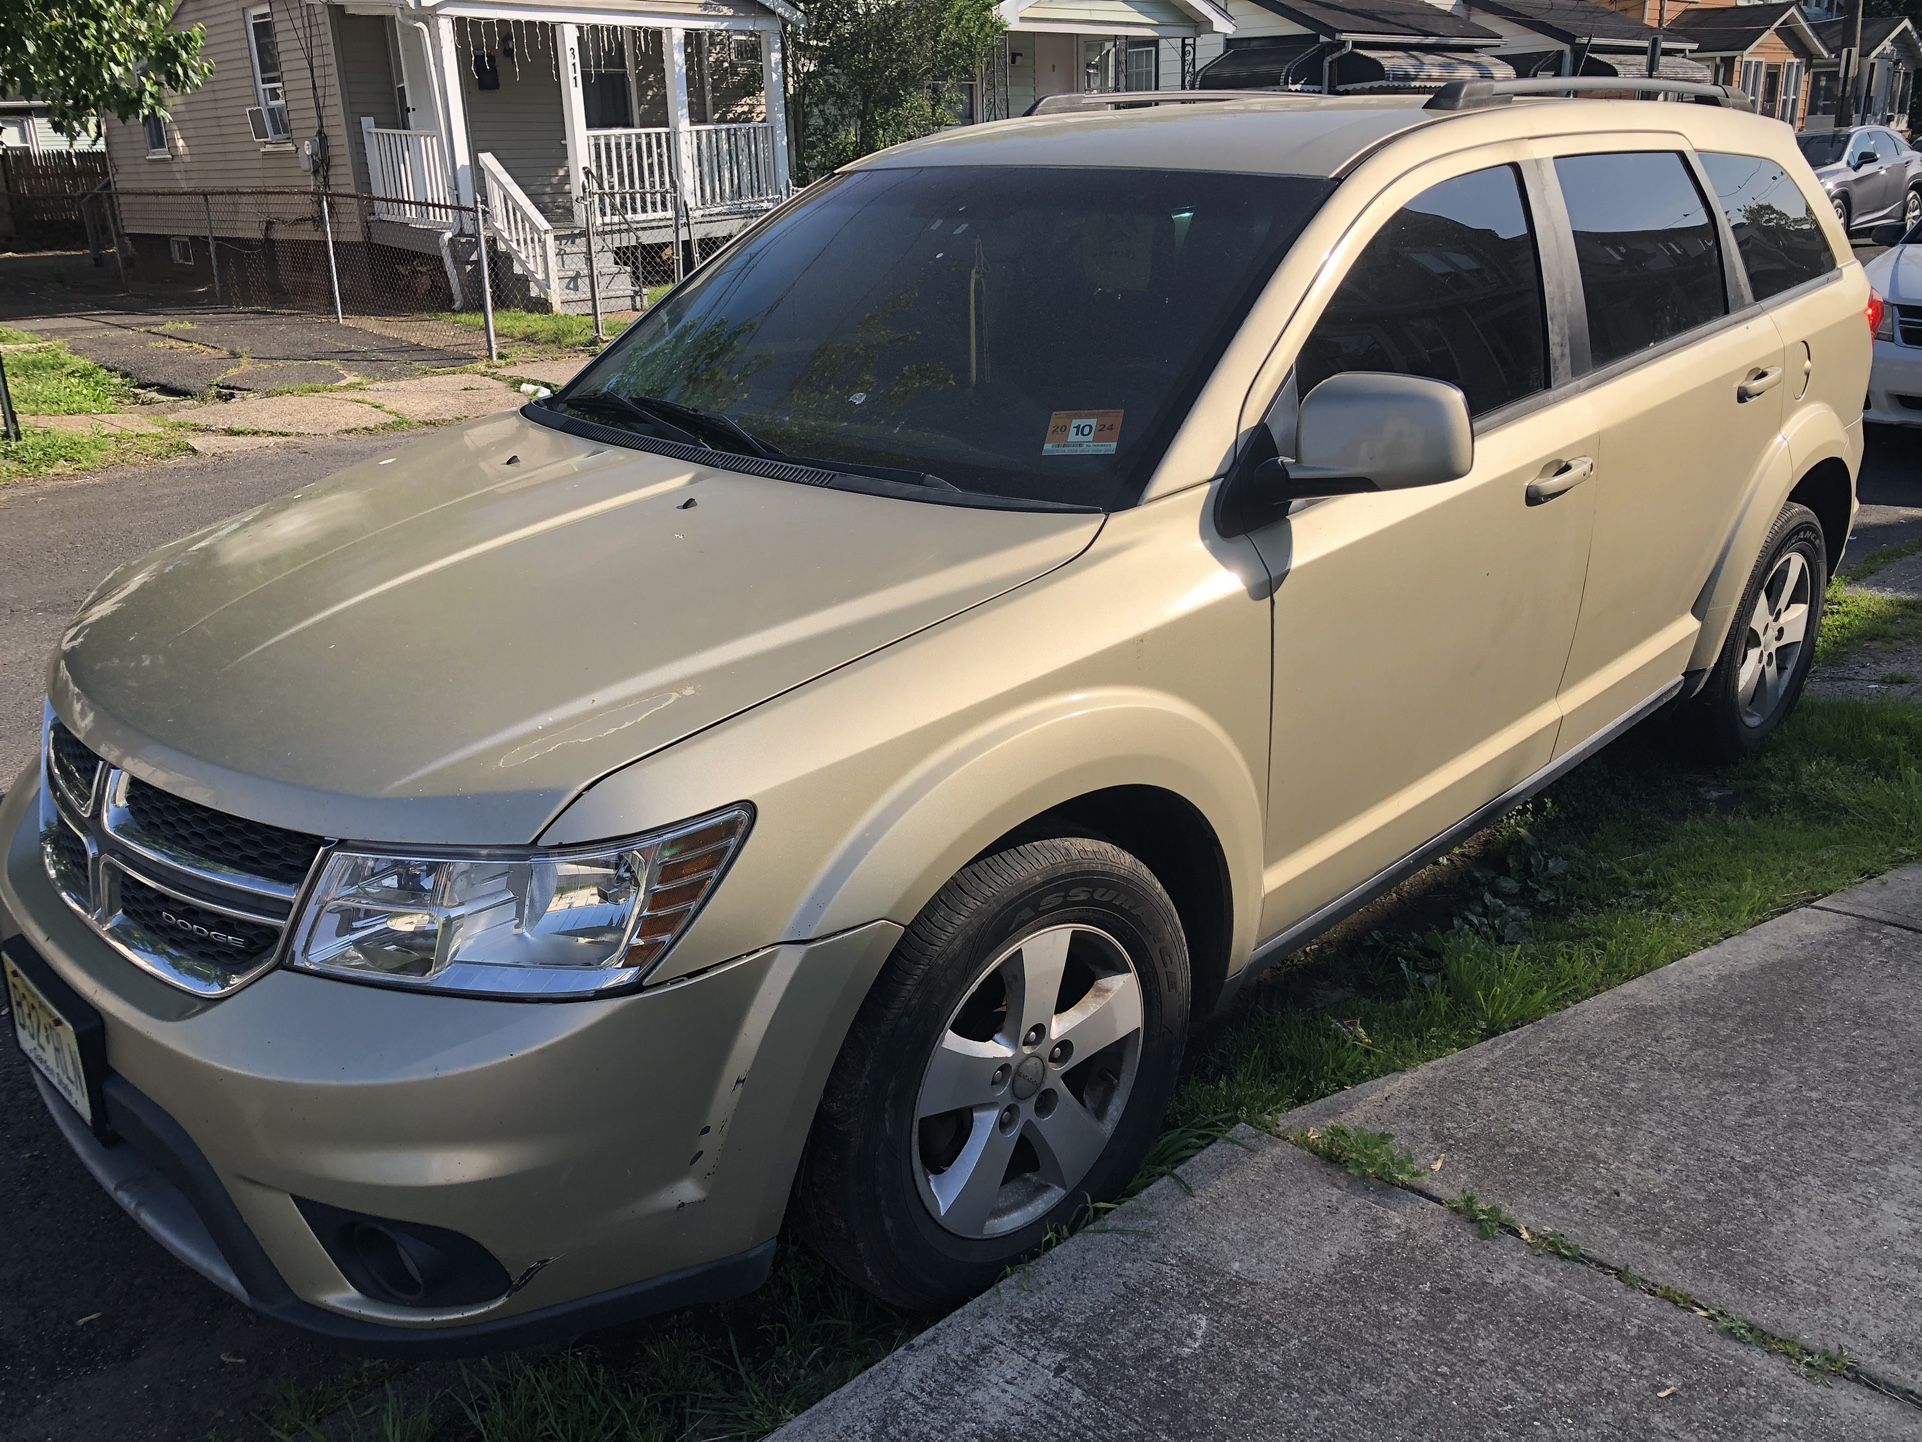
{"x": 990, "y": 781}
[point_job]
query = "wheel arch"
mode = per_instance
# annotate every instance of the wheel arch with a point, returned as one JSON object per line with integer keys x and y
{"x": 1814, "y": 464}
{"x": 1169, "y": 835}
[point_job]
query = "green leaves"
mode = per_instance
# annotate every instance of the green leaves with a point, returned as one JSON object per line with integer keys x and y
{"x": 873, "y": 73}
{"x": 83, "y": 57}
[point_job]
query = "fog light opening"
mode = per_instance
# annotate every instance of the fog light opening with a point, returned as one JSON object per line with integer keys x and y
{"x": 406, "y": 1264}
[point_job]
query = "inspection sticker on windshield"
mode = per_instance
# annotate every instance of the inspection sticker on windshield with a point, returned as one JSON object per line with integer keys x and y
{"x": 1082, "y": 433}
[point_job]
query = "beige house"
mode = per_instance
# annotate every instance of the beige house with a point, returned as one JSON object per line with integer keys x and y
{"x": 432, "y": 105}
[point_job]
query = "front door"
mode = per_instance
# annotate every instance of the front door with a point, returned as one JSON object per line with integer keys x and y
{"x": 1690, "y": 405}
{"x": 413, "y": 91}
{"x": 1057, "y": 64}
{"x": 1420, "y": 636}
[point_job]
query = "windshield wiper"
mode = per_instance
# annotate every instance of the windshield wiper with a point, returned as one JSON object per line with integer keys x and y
{"x": 609, "y": 403}
{"x": 880, "y": 473}
{"x": 711, "y": 421}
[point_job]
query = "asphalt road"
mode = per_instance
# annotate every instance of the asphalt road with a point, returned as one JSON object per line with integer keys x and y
{"x": 101, "y": 1334}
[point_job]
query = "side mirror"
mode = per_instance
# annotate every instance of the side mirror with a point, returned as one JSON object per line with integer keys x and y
{"x": 1372, "y": 431}
{"x": 1860, "y": 159}
{"x": 1886, "y": 235}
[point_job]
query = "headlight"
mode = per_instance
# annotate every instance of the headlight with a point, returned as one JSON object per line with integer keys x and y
{"x": 515, "y": 923}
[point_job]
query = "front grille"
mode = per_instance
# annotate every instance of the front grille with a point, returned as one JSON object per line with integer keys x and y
{"x": 212, "y": 940}
{"x": 67, "y": 863}
{"x": 73, "y": 765}
{"x": 1908, "y": 324}
{"x": 195, "y": 896}
{"x": 1909, "y": 403}
{"x": 216, "y": 841}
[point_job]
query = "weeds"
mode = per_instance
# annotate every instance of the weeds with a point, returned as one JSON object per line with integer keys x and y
{"x": 1371, "y": 1155}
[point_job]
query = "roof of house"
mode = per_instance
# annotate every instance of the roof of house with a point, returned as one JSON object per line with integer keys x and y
{"x": 1403, "y": 19}
{"x": 1877, "y": 31}
{"x": 1570, "y": 21}
{"x": 1732, "y": 29}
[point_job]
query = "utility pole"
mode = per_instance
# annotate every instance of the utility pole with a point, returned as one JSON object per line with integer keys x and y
{"x": 1845, "y": 110}
{"x": 1655, "y": 40}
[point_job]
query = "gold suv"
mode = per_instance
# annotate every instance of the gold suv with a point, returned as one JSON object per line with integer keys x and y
{"x": 817, "y": 765}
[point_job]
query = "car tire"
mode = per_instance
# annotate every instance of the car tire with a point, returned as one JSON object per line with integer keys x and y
{"x": 884, "y": 1192}
{"x": 1759, "y": 675}
{"x": 1842, "y": 210}
{"x": 1911, "y": 208}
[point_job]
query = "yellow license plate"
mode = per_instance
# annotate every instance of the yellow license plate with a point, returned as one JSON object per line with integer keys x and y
{"x": 48, "y": 1040}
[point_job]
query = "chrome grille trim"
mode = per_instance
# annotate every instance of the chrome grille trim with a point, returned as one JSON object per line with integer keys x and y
{"x": 120, "y": 825}
{"x": 121, "y": 856}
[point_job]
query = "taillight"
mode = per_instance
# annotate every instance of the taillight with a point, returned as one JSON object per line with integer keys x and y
{"x": 1880, "y": 318}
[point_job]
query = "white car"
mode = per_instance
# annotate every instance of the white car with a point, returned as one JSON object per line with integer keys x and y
{"x": 1895, "y": 371}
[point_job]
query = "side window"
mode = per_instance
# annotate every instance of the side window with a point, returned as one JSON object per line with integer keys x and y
{"x": 1449, "y": 288}
{"x": 1776, "y": 234}
{"x": 1886, "y": 149}
{"x": 1860, "y": 144}
{"x": 1646, "y": 248}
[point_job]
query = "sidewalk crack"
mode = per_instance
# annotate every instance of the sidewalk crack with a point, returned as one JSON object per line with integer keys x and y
{"x": 1372, "y": 1156}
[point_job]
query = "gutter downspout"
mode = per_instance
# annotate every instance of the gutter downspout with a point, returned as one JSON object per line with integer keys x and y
{"x": 1328, "y": 67}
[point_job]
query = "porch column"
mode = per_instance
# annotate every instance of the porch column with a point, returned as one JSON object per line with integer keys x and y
{"x": 574, "y": 114}
{"x": 445, "y": 60}
{"x": 774, "y": 91}
{"x": 678, "y": 117}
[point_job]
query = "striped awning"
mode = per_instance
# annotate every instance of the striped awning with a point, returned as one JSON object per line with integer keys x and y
{"x": 1411, "y": 69}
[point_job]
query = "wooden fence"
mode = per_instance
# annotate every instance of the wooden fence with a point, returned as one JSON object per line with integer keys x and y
{"x": 40, "y": 196}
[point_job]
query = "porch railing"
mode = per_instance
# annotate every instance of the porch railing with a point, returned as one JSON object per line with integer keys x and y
{"x": 519, "y": 227}
{"x": 733, "y": 164}
{"x": 407, "y": 169}
{"x": 629, "y": 165}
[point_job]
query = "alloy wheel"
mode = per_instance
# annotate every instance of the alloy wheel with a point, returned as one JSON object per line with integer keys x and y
{"x": 1028, "y": 1082}
{"x": 1841, "y": 209}
{"x": 1777, "y": 631}
{"x": 1912, "y": 209}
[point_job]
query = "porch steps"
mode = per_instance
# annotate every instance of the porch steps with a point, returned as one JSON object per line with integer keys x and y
{"x": 618, "y": 288}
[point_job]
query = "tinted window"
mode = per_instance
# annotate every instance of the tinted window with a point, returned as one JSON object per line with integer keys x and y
{"x": 1776, "y": 233}
{"x": 1885, "y": 147}
{"x": 1646, "y": 248}
{"x": 1448, "y": 289}
{"x": 1035, "y": 332}
{"x": 1825, "y": 147}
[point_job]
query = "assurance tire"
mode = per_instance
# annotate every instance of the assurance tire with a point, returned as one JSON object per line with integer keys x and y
{"x": 923, "y": 1203}
{"x": 1765, "y": 661}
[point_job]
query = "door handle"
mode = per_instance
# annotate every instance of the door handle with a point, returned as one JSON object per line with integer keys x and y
{"x": 1560, "y": 480}
{"x": 1759, "y": 382}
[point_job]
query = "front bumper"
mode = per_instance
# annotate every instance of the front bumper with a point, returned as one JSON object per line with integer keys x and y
{"x": 616, "y": 1156}
{"x": 1895, "y": 385}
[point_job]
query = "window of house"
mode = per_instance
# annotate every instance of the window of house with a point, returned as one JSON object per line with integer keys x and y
{"x": 1450, "y": 288}
{"x": 1143, "y": 65}
{"x": 156, "y": 129}
{"x": 606, "y": 87}
{"x": 269, "y": 86}
{"x": 1776, "y": 234}
{"x": 1790, "y": 110}
{"x": 1646, "y": 248}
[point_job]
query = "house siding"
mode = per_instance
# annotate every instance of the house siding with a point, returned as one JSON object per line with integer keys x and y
{"x": 211, "y": 146}
{"x": 366, "y": 83}
{"x": 519, "y": 124}
{"x": 1251, "y": 22}
{"x": 1096, "y": 13}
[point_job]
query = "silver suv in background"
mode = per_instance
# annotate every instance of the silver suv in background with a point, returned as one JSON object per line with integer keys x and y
{"x": 1869, "y": 174}
{"x": 818, "y": 765}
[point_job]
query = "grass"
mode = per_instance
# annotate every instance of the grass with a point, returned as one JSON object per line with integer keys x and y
{"x": 50, "y": 380}
{"x": 46, "y": 453}
{"x": 1633, "y": 861}
{"x": 543, "y": 328}
{"x": 10, "y": 336}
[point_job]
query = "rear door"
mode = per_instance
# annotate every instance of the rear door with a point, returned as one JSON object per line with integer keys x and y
{"x": 1687, "y": 383}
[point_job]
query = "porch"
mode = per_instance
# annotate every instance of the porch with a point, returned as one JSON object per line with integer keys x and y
{"x": 660, "y": 130}
{"x": 1054, "y": 47}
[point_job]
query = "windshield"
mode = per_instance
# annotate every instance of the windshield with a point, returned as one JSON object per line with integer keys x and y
{"x": 1024, "y": 332}
{"x": 1825, "y": 147}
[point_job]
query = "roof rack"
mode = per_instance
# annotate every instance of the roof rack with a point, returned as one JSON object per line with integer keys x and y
{"x": 1134, "y": 99}
{"x": 1478, "y": 94}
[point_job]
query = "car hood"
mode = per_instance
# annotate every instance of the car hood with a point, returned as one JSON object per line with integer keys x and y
{"x": 447, "y": 644}
{"x": 1896, "y": 274}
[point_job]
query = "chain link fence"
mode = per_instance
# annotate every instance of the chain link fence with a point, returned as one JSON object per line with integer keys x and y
{"x": 440, "y": 276}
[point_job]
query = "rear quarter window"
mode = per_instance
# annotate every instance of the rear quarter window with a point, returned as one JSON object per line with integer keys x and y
{"x": 1776, "y": 232}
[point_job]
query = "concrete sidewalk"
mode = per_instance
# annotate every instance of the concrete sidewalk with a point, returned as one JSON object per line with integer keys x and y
{"x": 1739, "y": 1129}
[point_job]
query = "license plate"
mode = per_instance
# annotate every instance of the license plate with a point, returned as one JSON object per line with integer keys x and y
{"x": 48, "y": 1040}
